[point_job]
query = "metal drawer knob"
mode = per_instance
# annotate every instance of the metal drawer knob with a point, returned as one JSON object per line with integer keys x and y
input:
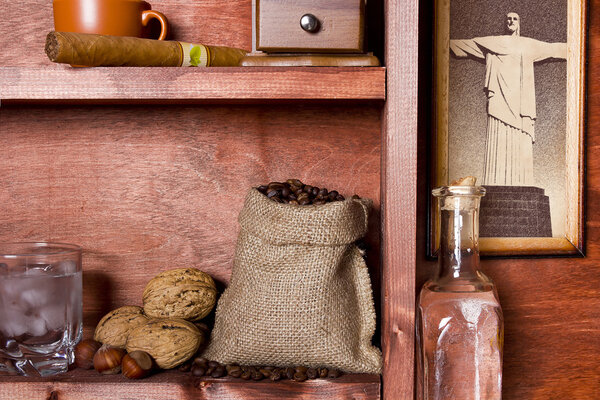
{"x": 309, "y": 23}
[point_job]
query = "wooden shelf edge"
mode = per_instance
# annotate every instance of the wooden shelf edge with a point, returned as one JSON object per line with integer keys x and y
{"x": 64, "y": 83}
{"x": 88, "y": 385}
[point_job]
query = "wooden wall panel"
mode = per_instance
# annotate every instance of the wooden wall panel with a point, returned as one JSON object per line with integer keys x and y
{"x": 144, "y": 189}
{"x": 220, "y": 23}
{"x": 551, "y": 305}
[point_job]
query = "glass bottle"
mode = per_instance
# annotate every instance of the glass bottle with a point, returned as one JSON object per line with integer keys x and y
{"x": 459, "y": 319}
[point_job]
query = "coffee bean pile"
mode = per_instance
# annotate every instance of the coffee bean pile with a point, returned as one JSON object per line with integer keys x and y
{"x": 203, "y": 367}
{"x": 293, "y": 191}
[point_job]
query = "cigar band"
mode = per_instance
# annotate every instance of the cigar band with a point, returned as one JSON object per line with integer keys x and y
{"x": 194, "y": 55}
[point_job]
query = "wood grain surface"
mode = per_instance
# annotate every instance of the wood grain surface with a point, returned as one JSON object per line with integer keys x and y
{"x": 25, "y": 25}
{"x": 551, "y": 305}
{"x": 60, "y": 82}
{"x": 341, "y": 26}
{"x": 145, "y": 189}
{"x": 170, "y": 385}
{"x": 399, "y": 198}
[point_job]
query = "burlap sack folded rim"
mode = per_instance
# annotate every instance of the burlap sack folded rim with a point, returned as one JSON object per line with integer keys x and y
{"x": 335, "y": 223}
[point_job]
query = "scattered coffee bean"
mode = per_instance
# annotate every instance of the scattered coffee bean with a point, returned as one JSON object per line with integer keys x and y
{"x": 219, "y": 372}
{"x": 312, "y": 373}
{"x": 300, "y": 376}
{"x": 198, "y": 370}
{"x": 257, "y": 376}
{"x": 203, "y": 362}
{"x": 246, "y": 375}
{"x": 275, "y": 375}
{"x": 289, "y": 372}
{"x": 301, "y": 369}
{"x": 334, "y": 373}
{"x": 202, "y": 367}
{"x": 185, "y": 367}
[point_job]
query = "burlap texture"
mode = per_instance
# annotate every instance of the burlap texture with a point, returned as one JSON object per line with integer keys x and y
{"x": 300, "y": 292}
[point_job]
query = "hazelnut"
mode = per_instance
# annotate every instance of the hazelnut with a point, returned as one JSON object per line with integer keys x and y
{"x": 84, "y": 353}
{"x": 137, "y": 364}
{"x": 107, "y": 359}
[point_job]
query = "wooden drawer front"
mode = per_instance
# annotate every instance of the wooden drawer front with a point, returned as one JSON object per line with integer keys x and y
{"x": 341, "y": 26}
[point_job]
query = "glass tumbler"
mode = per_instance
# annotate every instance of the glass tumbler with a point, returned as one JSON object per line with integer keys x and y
{"x": 40, "y": 307}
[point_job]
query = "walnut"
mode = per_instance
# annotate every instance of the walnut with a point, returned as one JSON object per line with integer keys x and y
{"x": 115, "y": 326}
{"x": 186, "y": 293}
{"x": 170, "y": 341}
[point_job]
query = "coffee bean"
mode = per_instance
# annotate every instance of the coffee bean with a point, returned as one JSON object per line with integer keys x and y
{"x": 185, "y": 367}
{"x": 301, "y": 369}
{"x": 322, "y": 192}
{"x": 314, "y": 191}
{"x": 339, "y": 197}
{"x": 289, "y": 372}
{"x": 312, "y": 373}
{"x": 276, "y": 186}
{"x": 294, "y": 202}
{"x": 219, "y": 372}
{"x": 266, "y": 373}
{"x": 198, "y": 370}
{"x": 272, "y": 192}
{"x": 300, "y": 376}
{"x": 304, "y": 201}
{"x": 285, "y": 192}
{"x": 333, "y": 194}
{"x": 257, "y": 376}
{"x": 294, "y": 182}
{"x": 213, "y": 364}
{"x": 262, "y": 189}
{"x": 307, "y": 189}
{"x": 236, "y": 373}
{"x": 203, "y": 362}
{"x": 334, "y": 373}
{"x": 246, "y": 375}
{"x": 319, "y": 202}
{"x": 275, "y": 375}
{"x": 323, "y": 372}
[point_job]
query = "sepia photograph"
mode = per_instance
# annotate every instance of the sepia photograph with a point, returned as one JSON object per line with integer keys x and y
{"x": 509, "y": 101}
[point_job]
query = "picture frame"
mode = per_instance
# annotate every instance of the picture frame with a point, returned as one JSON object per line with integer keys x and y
{"x": 528, "y": 211}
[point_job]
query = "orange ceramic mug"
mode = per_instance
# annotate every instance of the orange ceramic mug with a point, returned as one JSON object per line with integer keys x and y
{"x": 107, "y": 17}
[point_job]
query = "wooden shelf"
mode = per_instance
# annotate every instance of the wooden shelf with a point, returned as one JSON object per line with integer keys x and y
{"x": 83, "y": 385}
{"x": 181, "y": 85}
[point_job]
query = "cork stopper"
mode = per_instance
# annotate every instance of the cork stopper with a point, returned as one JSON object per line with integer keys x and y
{"x": 466, "y": 181}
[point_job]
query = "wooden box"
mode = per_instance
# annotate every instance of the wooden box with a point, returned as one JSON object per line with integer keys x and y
{"x": 338, "y": 28}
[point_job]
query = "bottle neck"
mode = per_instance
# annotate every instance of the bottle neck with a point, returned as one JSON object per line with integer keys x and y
{"x": 459, "y": 238}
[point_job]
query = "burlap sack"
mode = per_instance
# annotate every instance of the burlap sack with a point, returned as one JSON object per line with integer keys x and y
{"x": 300, "y": 292}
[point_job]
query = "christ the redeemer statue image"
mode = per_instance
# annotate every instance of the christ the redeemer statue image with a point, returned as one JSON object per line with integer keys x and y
{"x": 510, "y": 89}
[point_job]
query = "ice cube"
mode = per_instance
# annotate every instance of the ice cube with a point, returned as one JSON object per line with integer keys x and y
{"x": 54, "y": 316}
{"x": 36, "y": 326}
{"x": 36, "y": 297}
{"x": 67, "y": 267}
{"x": 13, "y": 323}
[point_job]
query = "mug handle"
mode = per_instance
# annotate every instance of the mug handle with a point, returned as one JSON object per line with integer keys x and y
{"x": 147, "y": 15}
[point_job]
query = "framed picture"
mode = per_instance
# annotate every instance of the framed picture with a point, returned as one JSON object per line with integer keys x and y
{"x": 509, "y": 110}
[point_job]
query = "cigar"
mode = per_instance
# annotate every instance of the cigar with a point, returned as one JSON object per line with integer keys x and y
{"x": 91, "y": 50}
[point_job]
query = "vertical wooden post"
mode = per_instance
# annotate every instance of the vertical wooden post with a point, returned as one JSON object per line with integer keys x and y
{"x": 399, "y": 197}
